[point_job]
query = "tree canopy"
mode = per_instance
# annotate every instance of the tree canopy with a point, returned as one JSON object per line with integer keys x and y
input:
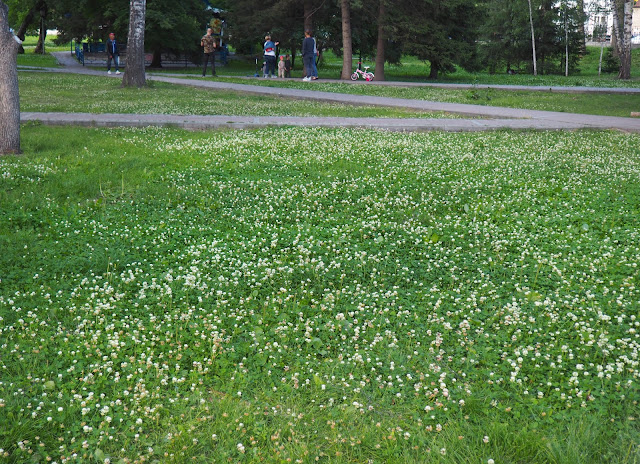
{"x": 446, "y": 34}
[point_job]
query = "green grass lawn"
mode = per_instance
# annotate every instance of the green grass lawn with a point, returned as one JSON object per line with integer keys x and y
{"x": 75, "y": 93}
{"x": 312, "y": 295}
{"x": 29, "y": 58}
{"x": 414, "y": 70}
{"x": 51, "y": 92}
{"x": 583, "y": 103}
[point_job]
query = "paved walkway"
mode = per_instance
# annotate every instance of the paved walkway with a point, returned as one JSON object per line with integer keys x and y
{"x": 498, "y": 117}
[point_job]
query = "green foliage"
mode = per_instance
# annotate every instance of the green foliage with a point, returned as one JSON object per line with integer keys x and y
{"x": 610, "y": 62}
{"x": 506, "y": 35}
{"x": 171, "y": 27}
{"x": 175, "y": 27}
{"x": 445, "y": 35}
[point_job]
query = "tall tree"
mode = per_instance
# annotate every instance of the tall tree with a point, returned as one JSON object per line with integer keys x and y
{"x": 506, "y": 35}
{"x": 622, "y": 24}
{"x": 9, "y": 97}
{"x": 582, "y": 18}
{"x": 175, "y": 28}
{"x": 42, "y": 34}
{"x": 26, "y": 18}
{"x": 533, "y": 41}
{"x": 134, "y": 75}
{"x": 309, "y": 8}
{"x": 445, "y": 35}
{"x": 347, "y": 48}
{"x": 382, "y": 42}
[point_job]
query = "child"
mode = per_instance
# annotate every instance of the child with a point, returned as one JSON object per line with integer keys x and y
{"x": 287, "y": 66}
{"x": 281, "y": 67}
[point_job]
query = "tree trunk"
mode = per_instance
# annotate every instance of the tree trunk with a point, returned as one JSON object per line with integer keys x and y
{"x": 382, "y": 41}
{"x": 134, "y": 75}
{"x": 625, "y": 42}
{"x": 42, "y": 36}
{"x": 433, "y": 71}
{"x": 583, "y": 33}
{"x": 9, "y": 97}
{"x": 22, "y": 30}
{"x": 601, "y": 53}
{"x": 616, "y": 36}
{"x": 533, "y": 40}
{"x": 566, "y": 41}
{"x": 293, "y": 53}
{"x": 308, "y": 15}
{"x": 156, "y": 61}
{"x": 347, "y": 49}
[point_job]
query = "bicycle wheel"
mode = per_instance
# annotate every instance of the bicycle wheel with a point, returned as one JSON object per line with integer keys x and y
{"x": 354, "y": 76}
{"x": 369, "y": 76}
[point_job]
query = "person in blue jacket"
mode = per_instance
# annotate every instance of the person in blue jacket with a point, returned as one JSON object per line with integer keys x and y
{"x": 112, "y": 53}
{"x": 308, "y": 55}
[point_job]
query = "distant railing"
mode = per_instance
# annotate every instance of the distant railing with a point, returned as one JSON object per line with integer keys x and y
{"x": 80, "y": 54}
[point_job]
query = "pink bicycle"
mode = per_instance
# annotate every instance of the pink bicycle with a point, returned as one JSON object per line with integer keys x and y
{"x": 366, "y": 74}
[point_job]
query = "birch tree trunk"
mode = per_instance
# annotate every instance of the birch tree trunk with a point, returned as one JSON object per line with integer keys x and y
{"x": 533, "y": 40}
{"x": 382, "y": 42}
{"x": 347, "y": 49}
{"x": 616, "y": 36}
{"x": 9, "y": 97}
{"x": 134, "y": 75}
{"x": 625, "y": 41}
{"x": 601, "y": 53}
{"x": 566, "y": 41}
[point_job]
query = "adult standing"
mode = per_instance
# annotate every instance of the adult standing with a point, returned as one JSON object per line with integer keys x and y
{"x": 269, "y": 56}
{"x": 308, "y": 55}
{"x": 314, "y": 72}
{"x": 210, "y": 45}
{"x": 113, "y": 53}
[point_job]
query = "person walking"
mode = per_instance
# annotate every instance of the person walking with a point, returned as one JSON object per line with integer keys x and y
{"x": 210, "y": 45}
{"x": 270, "y": 56}
{"x": 113, "y": 54}
{"x": 308, "y": 55}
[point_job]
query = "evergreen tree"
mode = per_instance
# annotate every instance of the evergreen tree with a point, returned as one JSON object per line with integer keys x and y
{"x": 443, "y": 32}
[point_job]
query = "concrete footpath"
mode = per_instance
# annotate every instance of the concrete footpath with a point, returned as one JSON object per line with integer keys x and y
{"x": 197, "y": 122}
{"x": 494, "y": 118}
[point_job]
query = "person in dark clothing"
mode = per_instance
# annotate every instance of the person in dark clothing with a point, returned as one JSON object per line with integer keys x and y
{"x": 210, "y": 45}
{"x": 308, "y": 55}
{"x": 112, "y": 53}
{"x": 287, "y": 66}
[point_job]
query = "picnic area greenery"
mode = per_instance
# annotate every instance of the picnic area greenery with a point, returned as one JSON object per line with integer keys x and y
{"x": 315, "y": 295}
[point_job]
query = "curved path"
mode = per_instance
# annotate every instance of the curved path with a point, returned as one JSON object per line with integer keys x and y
{"x": 498, "y": 117}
